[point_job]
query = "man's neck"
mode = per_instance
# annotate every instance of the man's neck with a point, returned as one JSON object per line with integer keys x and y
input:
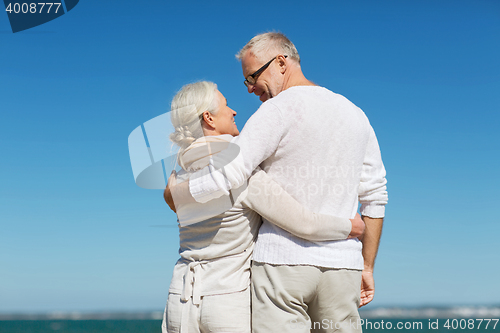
{"x": 296, "y": 78}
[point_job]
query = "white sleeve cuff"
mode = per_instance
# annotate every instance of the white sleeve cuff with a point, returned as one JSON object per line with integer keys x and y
{"x": 372, "y": 210}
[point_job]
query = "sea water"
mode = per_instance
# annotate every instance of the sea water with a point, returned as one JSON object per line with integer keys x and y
{"x": 154, "y": 326}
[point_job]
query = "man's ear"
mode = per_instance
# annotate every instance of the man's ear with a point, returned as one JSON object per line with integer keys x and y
{"x": 209, "y": 119}
{"x": 282, "y": 63}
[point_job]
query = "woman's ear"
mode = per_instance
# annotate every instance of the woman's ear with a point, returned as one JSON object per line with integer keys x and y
{"x": 209, "y": 119}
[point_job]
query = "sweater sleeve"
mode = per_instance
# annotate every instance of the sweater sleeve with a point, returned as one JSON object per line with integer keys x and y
{"x": 258, "y": 140}
{"x": 372, "y": 190}
{"x": 273, "y": 203}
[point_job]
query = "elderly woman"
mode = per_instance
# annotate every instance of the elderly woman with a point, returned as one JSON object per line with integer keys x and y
{"x": 210, "y": 290}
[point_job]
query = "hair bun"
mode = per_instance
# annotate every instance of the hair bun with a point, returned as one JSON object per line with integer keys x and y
{"x": 182, "y": 137}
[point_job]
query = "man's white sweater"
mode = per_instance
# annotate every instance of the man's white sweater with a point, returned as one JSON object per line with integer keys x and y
{"x": 323, "y": 151}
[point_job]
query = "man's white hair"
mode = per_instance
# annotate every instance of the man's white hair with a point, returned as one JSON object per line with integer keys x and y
{"x": 187, "y": 109}
{"x": 270, "y": 44}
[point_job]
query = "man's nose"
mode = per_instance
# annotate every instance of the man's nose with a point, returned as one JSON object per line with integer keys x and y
{"x": 250, "y": 88}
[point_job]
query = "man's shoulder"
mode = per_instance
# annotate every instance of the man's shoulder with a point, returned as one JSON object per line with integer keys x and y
{"x": 307, "y": 92}
{"x": 314, "y": 94}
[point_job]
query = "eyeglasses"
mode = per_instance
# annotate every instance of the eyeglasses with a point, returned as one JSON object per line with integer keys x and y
{"x": 252, "y": 78}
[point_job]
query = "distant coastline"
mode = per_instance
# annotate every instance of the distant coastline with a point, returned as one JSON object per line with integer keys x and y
{"x": 76, "y": 315}
{"x": 378, "y": 312}
{"x": 432, "y": 312}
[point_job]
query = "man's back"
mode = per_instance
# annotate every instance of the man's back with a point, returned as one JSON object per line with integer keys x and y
{"x": 320, "y": 156}
{"x": 319, "y": 160}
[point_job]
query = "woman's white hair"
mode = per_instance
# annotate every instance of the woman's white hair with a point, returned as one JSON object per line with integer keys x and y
{"x": 270, "y": 44}
{"x": 187, "y": 109}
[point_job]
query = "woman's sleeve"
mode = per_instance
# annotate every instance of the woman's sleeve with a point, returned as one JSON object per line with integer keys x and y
{"x": 273, "y": 203}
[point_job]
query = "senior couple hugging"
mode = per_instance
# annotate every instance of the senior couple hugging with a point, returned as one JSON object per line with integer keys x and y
{"x": 270, "y": 237}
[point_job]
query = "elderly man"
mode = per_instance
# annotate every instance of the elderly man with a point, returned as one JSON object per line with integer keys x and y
{"x": 322, "y": 150}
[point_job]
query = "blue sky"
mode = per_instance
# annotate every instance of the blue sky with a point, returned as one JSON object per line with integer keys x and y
{"x": 77, "y": 234}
